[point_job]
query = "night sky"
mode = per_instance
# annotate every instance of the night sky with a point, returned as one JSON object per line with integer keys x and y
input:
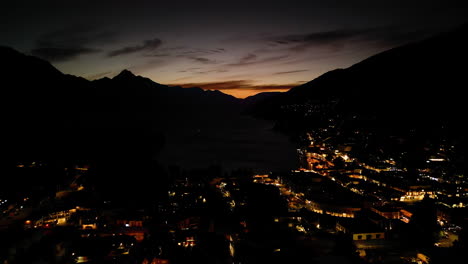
{"x": 240, "y": 47}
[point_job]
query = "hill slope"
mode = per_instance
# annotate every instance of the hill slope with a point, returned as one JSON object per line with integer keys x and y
{"x": 116, "y": 124}
{"x": 412, "y": 85}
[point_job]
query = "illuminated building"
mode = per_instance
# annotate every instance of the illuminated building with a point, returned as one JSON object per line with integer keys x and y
{"x": 360, "y": 230}
{"x": 387, "y": 212}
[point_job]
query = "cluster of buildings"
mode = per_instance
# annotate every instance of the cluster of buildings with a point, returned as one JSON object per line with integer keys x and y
{"x": 377, "y": 197}
{"x": 79, "y": 225}
{"x": 341, "y": 200}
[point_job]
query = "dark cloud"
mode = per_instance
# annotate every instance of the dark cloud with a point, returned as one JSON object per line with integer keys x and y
{"x": 76, "y": 35}
{"x": 335, "y": 39}
{"x": 237, "y": 84}
{"x": 203, "y": 60}
{"x": 194, "y": 54}
{"x": 284, "y": 87}
{"x": 252, "y": 59}
{"x": 199, "y": 52}
{"x": 227, "y": 85}
{"x": 318, "y": 38}
{"x": 289, "y": 72}
{"x": 177, "y": 53}
{"x": 248, "y": 58}
{"x": 148, "y": 45}
{"x": 193, "y": 69}
{"x": 61, "y": 54}
{"x": 211, "y": 71}
{"x": 165, "y": 51}
{"x": 69, "y": 43}
{"x": 174, "y": 48}
{"x": 201, "y": 71}
{"x": 159, "y": 55}
{"x": 339, "y": 38}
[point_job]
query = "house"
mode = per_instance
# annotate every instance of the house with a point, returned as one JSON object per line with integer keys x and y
{"x": 130, "y": 223}
{"x": 360, "y": 229}
{"x": 387, "y": 211}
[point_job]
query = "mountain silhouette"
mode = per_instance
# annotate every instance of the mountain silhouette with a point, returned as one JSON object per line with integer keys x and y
{"x": 421, "y": 83}
{"x": 33, "y": 85}
{"x": 117, "y": 123}
{"x": 258, "y": 98}
{"x": 127, "y": 125}
{"x": 403, "y": 102}
{"x": 124, "y": 74}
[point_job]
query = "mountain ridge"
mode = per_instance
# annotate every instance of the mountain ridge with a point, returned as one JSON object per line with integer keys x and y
{"x": 48, "y": 107}
{"x": 16, "y": 62}
{"x": 405, "y": 82}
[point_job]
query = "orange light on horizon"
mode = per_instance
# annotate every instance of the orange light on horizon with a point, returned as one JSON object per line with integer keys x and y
{"x": 239, "y": 89}
{"x": 244, "y": 93}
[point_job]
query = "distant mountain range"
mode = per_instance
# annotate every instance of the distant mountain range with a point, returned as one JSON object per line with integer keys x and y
{"x": 118, "y": 124}
{"x": 407, "y": 102}
{"x": 121, "y": 124}
{"x": 33, "y": 86}
{"x": 32, "y": 77}
{"x": 47, "y": 113}
{"x": 419, "y": 84}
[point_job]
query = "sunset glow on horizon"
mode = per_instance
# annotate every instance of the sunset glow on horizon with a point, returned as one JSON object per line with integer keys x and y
{"x": 259, "y": 45}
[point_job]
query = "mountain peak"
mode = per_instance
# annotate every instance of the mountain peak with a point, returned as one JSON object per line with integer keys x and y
{"x": 125, "y": 74}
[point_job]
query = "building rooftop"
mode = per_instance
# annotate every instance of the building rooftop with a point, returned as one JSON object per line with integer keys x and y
{"x": 359, "y": 226}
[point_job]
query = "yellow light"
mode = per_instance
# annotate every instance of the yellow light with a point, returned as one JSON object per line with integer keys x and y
{"x": 231, "y": 249}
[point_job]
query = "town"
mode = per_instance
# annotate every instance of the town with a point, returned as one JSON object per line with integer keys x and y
{"x": 338, "y": 207}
